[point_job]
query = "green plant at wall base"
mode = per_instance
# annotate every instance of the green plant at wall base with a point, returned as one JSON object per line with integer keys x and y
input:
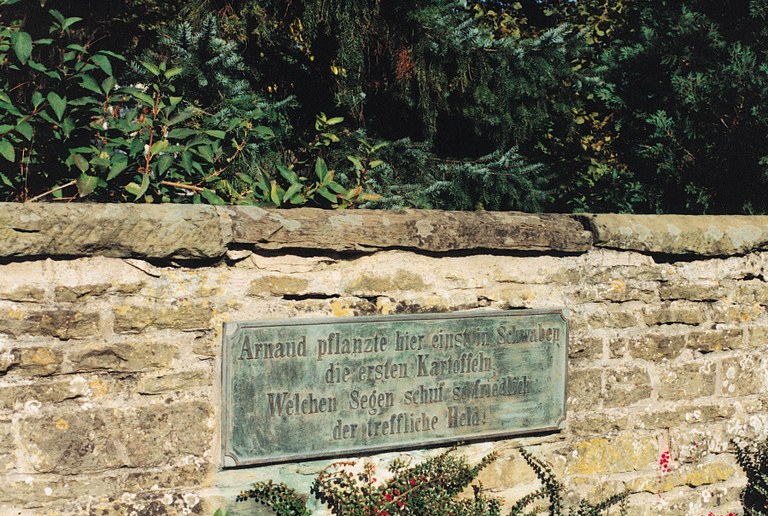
{"x": 432, "y": 487}
{"x": 753, "y": 459}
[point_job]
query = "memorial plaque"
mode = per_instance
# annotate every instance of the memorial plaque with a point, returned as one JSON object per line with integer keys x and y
{"x": 300, "y": 389}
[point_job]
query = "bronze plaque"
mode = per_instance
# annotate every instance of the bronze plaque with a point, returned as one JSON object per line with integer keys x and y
{"x": 299, "y": 389}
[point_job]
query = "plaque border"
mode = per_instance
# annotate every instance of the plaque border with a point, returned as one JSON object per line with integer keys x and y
{"x": 230, "y": 460}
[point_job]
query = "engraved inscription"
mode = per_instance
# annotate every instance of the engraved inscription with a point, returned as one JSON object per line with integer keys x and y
{"x": 301, "y": 389}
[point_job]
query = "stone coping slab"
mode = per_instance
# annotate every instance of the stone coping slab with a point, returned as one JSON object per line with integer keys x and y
{"x": 706, "y": 235}
{"x": 208, "y": 232}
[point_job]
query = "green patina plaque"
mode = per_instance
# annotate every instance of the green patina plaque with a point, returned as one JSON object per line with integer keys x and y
{"x": 299, "y": 389}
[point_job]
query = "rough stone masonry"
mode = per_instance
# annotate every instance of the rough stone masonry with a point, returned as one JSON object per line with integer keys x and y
{"x": 110, "y": 334}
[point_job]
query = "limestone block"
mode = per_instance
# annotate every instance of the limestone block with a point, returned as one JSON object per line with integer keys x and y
{"x": 79, "y": 293}
{"x": 619, "y": 454}
{"x": 653, "y": 418}
{"x": 715, "y": 340}
{"x": 743, "y": 376}
{"x": 123, "y": 357}
{"x": 691, "y": 476}
{"x": 62, "y": 323}
{"x": 73, "y": 443}
{"x": 626, "y": 385}
{"x": 584, "y": 388}
{"x": 592, "y": 423}
{"x": 679, "y": 312}
{"x": 180, "y": 315}
{"x": 681, "y": 234}
{"x": 657, "y": 345}
{"x": 181, "y": 381}
{"x": 32, "y": 360}
{"x": 585, "y": 347}
{"x": 687, "y": 381}
{"x": 692, "y": 291}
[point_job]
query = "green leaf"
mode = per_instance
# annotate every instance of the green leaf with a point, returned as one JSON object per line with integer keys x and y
{"x": 77, "y": 48}
{"x": 293, "y": 190}
{"x": 136, "y": 190}
{"x": 327, "y": 194}
{"x": 86, "y": 184}
{"x": 119, "y": 163}
{"x": 25, "y": 129}
{"x": 321, "y": 170}
{"x": 67, "y": 23}
{"x": 186, "y": 161}
{"x": 154, "y": 70}
{"x": 274, "y": 194}
{"x": 264, "y": 132}
{"x": 140, "y": 96}
{"x": 216, "y": 133}
{"x": 335, "y": 120}
{"x": 158, "y": 147}
{"x": 5, "y": 128}
{"x": 181, "y": 133}
{"x": 5, "y": 180}
{"x": 206, "y": 152}
{"x": 37, "y": 98}
{"x": 107, "y": 84}
{"x": 356, "y": 162}
{"x": 67, "y": 125}
{"x": 288, "y": 174}
{"x": 336, "y": 187}
{"x": 22, "y": 45}
{"x": 172, "y": 73}
{"x": 89, "y": 83}
{"x": 57, "y": 103}
{"x": 102, "y": 62}
{"x": 164, "y": 163}
{"x": 81, "y": 162}
{"x": 211, "y": 197}
{"x": 6, "y": 150}
{"x": 375, "y": 163}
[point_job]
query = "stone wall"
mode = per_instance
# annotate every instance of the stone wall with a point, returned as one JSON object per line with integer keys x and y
{"x": 110, "y": 335}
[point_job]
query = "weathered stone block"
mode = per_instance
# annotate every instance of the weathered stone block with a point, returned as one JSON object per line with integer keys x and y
{"x": 691, "y": 476}
{"x": 675, "y": 312}
{"x": 375, "y": 285}
{"x": 7, "y": 447}
{"x": 614, "y": 317}
{"x": 682, "y": 415}
{"x": 620, "y": 454}
{"x": 585, "y": 348}
{"x": 584, "y": 388}
{"x": 278, "y": 285}
{"x": 184, "y": 315}
{"x": 626, "y": 385}
{"x": 24, "y": 294}
{"x": 63, "y": 324}
{"x": 76, "y": 293}
{"x": 714, "y": 340}
{"x": 586, "y": 424}
{"x": 74, "y": 443}
{"x": 656, "y": 346}
{"x": 123, "y": 356}
{"x": 32, "y": 360}
{"x": 742, "y": 376}
{"x": 687, "y": 381}
{"x": 692, "y": 292}
{"x": 758, "y": 336}
{"x": 181, "y": 381}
